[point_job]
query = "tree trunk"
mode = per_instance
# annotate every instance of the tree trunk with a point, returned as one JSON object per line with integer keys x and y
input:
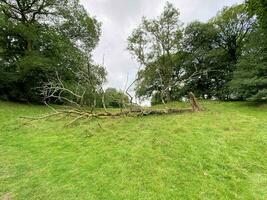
{"x": 29, "y": 45}
{"x": 193, "y": 100}
{"x": 168, "y": 95}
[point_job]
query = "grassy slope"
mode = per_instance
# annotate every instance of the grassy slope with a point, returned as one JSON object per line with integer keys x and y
{"x": 217, "y": 154}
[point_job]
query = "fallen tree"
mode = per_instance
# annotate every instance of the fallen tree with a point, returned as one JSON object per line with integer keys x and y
{"x": 80, "y": 113}
{"x": 56, "y": 89}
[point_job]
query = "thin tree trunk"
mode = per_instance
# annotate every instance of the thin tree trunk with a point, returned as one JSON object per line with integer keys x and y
{"x": 193, "y": 100}
{"x": 29, "y": 45}
{"x": 168, "y": 95}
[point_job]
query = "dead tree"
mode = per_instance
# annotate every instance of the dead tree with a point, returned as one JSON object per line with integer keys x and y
{"x": 56, "y": 89}
{"x": 79, "y": 113}
{"x": 194, "y": 103}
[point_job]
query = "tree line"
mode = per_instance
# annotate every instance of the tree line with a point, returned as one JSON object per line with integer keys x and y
{"x": 224, "y": 58}
{"x": 45, "y": 53}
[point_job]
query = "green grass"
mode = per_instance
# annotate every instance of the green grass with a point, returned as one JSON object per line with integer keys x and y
{"x": 217, "y": 154}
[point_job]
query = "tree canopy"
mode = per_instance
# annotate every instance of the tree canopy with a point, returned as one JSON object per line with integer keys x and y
{"x": 250, "y": 78}
{"x": 46, "y": 47}
{"x": 223, "y": 58}
{"x": 39, "y": 38}
{"x": 154, "y": 44}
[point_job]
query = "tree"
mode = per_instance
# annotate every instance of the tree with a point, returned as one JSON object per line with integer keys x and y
{"x": 153, "y": 44}
{"x": 250, "y": 78}
{"x": 233, "y": 24}
{"x": 115, "y": 98}
{"x": 213, "y": 50}
{"x": 205, "y": 57}
{"x": 42, "y": 38}
{"x": 202, "y": 59}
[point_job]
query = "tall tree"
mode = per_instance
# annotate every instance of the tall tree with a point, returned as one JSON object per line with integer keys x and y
{"x": 233, "y": 25}
{"x": 214, "y": 48}
{"x": 205, "y": 57}
{"x": 250, "y": 78}
{"x": 205, "y": 61}
{"x": 39, "y": 38}
{"x": 153, "y": 44}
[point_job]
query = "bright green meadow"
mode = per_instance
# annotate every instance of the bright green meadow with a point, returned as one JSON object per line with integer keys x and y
{"x": 220, "y": 153}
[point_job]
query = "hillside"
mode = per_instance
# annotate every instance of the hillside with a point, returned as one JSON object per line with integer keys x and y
{"x": 217, "y": 154}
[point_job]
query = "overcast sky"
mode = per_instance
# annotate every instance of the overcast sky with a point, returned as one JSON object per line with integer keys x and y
{"x": 120, "y": 17}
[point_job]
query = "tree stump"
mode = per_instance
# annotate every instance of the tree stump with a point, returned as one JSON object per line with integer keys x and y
{"x": 194, "y": 103}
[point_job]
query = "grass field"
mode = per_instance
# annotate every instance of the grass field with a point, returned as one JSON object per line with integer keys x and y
{"x": 217, "y": 154}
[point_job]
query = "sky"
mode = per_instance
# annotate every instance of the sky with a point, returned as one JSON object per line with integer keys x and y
{"x": 120, "y": 17}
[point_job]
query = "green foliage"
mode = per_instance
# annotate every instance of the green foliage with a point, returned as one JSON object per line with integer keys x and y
{"x": 258, "y": 8}
{"x": 40, "y": 38}
{"x": 91, "y": 79}
{"x": 233, "y": 24}
{"x": 215, "y": 48}
{"x": 201, "y": 59}
{"x": 204, "y": 58}
{"x": 216, "y": 154}
{"x": 153, "y": 44}
{"x": 115, "y": 98}
{"x": 250, "y": 80}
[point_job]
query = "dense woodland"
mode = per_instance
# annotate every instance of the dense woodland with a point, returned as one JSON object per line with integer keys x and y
{"x": 224, "y": 58}
{"x": 46, "y": 47}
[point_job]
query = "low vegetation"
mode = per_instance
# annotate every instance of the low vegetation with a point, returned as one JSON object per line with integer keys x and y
{"x": 216, "y": 154}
